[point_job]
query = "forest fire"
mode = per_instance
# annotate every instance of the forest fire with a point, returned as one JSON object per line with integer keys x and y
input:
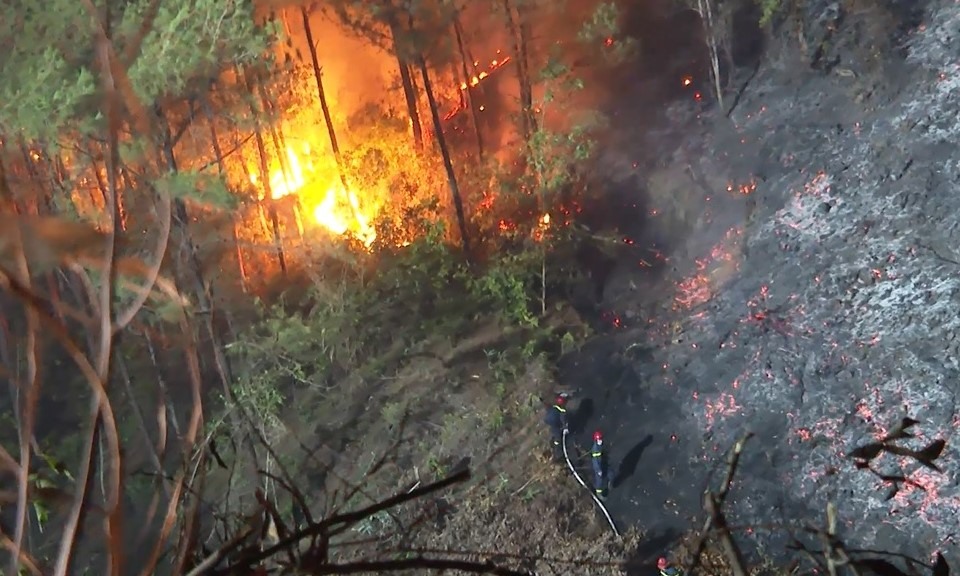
{"x": 333, "y": 207}
{"x": 494, "y": 66}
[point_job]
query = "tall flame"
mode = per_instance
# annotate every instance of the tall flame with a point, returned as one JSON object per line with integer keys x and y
{"x": 339, "y": 211}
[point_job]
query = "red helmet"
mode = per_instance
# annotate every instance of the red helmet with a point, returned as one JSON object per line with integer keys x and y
{"x": 598, "y": 436}
{"x": 561, "y": 400}
{"x": 662, "y": 563}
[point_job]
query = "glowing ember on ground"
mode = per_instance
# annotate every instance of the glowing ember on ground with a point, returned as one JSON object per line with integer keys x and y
{"x": 711, "y": 271}
{"x": 337, "y": 210}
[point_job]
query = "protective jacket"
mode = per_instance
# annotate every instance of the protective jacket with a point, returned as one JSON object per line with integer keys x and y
{"x": 596, "y": 459}
{"x": 556, "y": 418}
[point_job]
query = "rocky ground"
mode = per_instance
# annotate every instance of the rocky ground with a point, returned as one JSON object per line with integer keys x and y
{"x": 791, "y": 271}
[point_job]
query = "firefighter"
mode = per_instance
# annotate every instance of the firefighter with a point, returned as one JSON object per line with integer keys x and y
{"x": 556, "y": 419}
{"x": 599, "y": 470}
{"x": 666, "y": 569}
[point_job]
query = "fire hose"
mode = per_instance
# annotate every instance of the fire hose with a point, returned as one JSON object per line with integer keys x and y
{"x": 584, "y": 484}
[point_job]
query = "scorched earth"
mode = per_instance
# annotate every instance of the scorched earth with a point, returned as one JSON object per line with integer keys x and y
{"x": 794, "y": 272}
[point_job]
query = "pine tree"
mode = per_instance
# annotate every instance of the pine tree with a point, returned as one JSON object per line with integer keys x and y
{"x": 76, "y": 74}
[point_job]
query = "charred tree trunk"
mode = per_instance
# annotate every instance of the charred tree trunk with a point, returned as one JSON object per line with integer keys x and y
{"x": 406, "y": 80}
{"x": 265, "y": 182}
{"x": 222, "y": 170}
{"x": 520, "y": 30}
{"x": 278, "y": 143}
{"x": 322, "y": 95}
{"x": 271, "y": 203}
{"x": 468, "y": 92}
{"x": 445, "y": 153}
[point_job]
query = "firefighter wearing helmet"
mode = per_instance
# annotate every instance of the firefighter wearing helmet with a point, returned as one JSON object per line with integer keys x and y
{"x": 599, "y": 465}
{"x": 556, "y": 419}
{"x": 666, "y": 569}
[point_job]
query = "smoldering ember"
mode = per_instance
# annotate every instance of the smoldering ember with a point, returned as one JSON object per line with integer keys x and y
{"x": 476, "y": 286}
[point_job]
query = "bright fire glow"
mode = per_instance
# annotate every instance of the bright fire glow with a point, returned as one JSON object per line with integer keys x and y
{"x": 339, "y": 211}
{"x": 499, "y": 62}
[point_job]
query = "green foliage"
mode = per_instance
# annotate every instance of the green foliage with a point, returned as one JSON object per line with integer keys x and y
{"x": 191, "y": 39}
{"x": 262, "y": 401}
{"x": 768, "y": 9}
{"x": 49, "y": 88}
{"x": 198, "y": 187}
{"x": 393, "y": 413}
{"x": 505, "y": 287}
{"x": 279, "y": 350}
{"x": 602, "y": 29}
{"x": 42, "y": 93}
{"x": 44, "y": 481}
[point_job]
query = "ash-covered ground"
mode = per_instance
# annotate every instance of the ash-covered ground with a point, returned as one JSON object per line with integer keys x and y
{"x": 793, "y": 270}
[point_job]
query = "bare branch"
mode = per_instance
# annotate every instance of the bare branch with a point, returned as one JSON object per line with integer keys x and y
{"x": 153, "y": 273}
{"x": 713, "y": 503}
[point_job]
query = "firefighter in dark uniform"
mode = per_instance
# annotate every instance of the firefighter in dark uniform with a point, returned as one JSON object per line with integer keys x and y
{"x": 666, "y": 569}
{"x": 599, "y": 466}
{"x": 556, "y": 419}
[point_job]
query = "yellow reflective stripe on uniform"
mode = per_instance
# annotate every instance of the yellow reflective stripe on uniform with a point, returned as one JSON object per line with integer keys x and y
{"x": 560, "y": 408}
{"x": 597, "y": 454}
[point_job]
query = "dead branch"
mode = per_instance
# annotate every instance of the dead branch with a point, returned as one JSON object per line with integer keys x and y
{"x": 189, "y": 441}
{"x": 730, "y": 548}
{"x": 327, "y": 527}
{"x": 19, "y": 556}
{"x": 153, "y": 272}
{"x": 713, "y": 504}
{"x": 26, "y": 412}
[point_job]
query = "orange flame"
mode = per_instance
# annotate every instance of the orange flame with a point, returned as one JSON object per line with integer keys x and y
{"x": 338, "y": 211}
{"x": 495, "y": 65}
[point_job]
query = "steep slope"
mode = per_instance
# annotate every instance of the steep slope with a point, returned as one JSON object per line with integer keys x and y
{"x": 804, "y": 284}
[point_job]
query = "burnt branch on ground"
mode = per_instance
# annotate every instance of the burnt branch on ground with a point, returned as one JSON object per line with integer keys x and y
{"x": 242, "y": 557}
{"x": 716, "y": 521}
{"x": 865, "y": 455}
{"x": 823, "y": 546}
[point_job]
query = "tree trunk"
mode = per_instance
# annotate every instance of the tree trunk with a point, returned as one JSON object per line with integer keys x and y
{"x": 322, "y": 95}
{"x": 445, "y": 153}
{"x": 474, "y": 120}
{"x": 152, "y": 454}
{"x": 204, "y": 294}
{"x": 222, "y": 170}
{"x": 271, "y": 203}
{"x": 48, "y": 180}
{"x": 406, "y": 79}
{"x": 265, "y": 182}
{"x": 171, "y": 413}
{"x": 520, "y": 30}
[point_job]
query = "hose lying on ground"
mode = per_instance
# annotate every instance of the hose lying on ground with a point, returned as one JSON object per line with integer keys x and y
{"x": 584, "y": 484}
